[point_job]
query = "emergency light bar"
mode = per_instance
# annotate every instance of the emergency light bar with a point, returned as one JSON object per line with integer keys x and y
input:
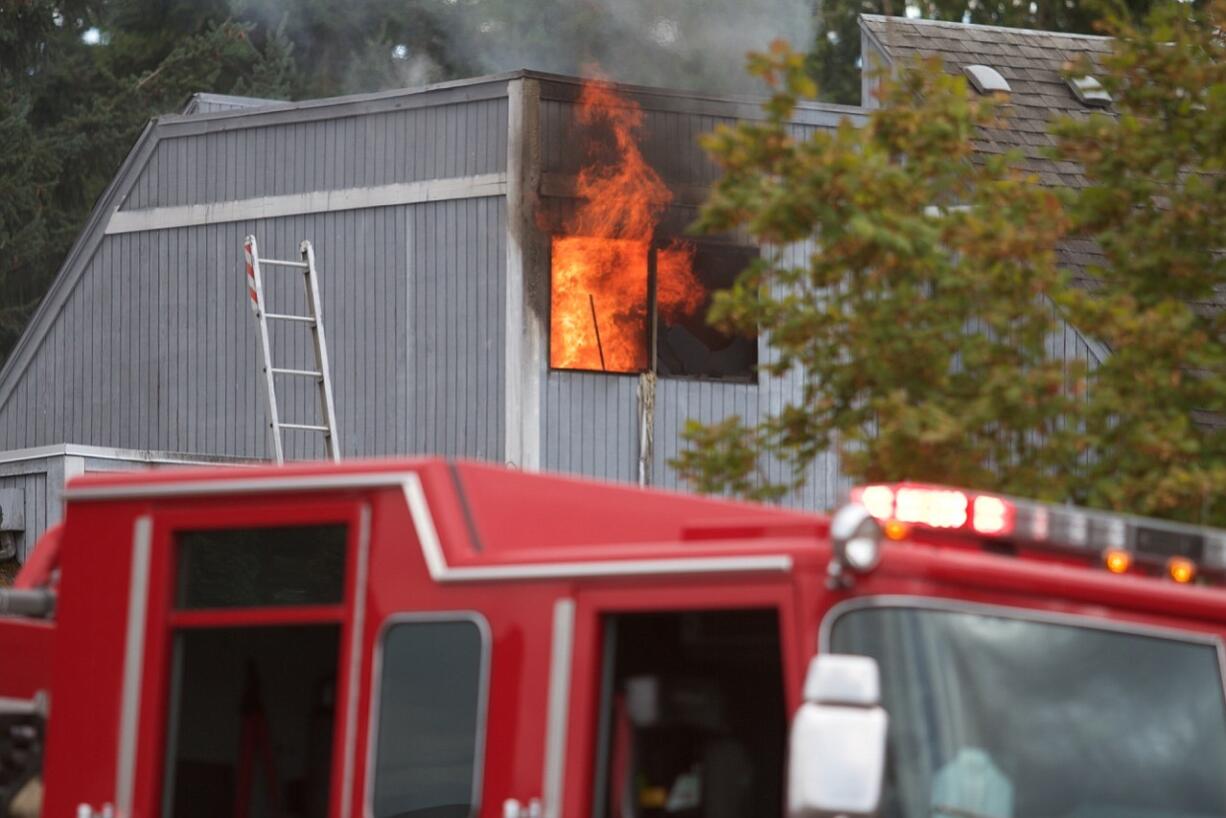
{"x": 1120, "y": 539}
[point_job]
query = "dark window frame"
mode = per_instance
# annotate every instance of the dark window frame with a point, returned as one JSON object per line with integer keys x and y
{"x": 656, "y": 323}
{"x": 471, "y": 617}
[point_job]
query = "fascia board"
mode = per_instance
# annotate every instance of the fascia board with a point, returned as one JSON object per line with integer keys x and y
{"x": 314, "y": 110}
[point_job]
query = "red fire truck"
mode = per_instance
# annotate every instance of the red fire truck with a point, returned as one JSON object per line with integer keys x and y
{"x": 429, "y": 639}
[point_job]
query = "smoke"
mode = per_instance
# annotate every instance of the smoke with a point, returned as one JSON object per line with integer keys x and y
{"x": 364, "y": 45}
{"x": 689, "y": 44}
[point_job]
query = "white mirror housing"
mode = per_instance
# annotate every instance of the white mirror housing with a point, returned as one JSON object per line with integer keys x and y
{"x": 837, "y": 749}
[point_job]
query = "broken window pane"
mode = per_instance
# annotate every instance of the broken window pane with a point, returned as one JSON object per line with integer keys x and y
{"x": 686, "y": 346}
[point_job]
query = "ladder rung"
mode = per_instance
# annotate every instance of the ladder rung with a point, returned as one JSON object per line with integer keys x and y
{"x": 306, "y": 427}
{"x": 305, "y": 319}
{"x": 273, "y": 261}
{"x": 306, "y": 373}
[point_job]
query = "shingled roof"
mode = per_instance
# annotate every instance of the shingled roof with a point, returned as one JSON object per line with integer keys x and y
{"x": 1030, "y": 60}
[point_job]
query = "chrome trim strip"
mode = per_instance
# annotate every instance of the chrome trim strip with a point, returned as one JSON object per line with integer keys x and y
{"x": 427, "y": 534}
{"x": 483, "y": 688}
{"x": 356, "y": 635}
{"x": 559, "y": 705}
{"x": 35, "y": 706}
{"x": 133, "y": 658}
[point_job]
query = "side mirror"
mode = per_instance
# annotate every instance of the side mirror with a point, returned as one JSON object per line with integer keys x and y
{"x": 838, "y": 740}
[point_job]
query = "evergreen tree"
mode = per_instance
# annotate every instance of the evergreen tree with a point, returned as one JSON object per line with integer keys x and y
{"x": 77, "y": 84}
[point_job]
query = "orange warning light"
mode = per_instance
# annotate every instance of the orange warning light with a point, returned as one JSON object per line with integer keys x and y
{"x": 1117, "y": 560}
{"x": 1181, "y": 569}
{"x": 896, "y": 529}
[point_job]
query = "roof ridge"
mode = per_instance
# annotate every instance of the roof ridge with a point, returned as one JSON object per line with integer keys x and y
{"x": 953, "y": 24}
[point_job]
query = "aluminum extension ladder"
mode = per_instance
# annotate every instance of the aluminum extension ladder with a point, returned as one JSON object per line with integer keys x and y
{"x": 314, "y": 320}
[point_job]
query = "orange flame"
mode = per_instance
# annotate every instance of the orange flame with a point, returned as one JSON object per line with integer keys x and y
{"x": 598, "y": 297}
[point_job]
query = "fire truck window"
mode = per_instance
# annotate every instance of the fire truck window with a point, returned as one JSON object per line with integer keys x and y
{"x": 295, "y": 565}
{"x": 428, "y": 736}
{"x": 250, "y": 728}
{"x": 1005, "y": 717}
{"x": 693, "y": 723}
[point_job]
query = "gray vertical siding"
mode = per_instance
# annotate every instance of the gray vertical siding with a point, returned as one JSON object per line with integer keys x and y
{"x": 156, "y": 348}
{"x": 591, "y": 424}
{"x": 359, "y": 150}
{"x": 31, "y": 478}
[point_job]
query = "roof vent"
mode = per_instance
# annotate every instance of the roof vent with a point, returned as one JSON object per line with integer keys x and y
{"x": 986, "y": 79}
{"x": 1090, "y": 92}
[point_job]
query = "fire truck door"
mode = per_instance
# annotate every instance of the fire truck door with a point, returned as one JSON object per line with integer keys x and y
{"x": 679, "y": 704}
{"x": 254, "y": 656}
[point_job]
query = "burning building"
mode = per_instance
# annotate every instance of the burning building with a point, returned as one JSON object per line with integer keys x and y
{"x": 507, "y": 276}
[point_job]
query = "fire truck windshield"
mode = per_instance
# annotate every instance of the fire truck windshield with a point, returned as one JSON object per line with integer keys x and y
{"x": 995, "y": 716}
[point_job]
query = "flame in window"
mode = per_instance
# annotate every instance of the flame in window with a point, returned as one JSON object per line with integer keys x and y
{"x": 598, "y": 289}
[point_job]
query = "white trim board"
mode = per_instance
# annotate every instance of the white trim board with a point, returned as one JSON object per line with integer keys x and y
{"x": 297, "y": 204}
{"x": 127, "y": 455}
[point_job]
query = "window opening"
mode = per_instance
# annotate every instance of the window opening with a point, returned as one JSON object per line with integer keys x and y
{"x": 615, "y": 290}
{"x": 686, "y": 345}
{"x": 429, "y": 729}
{"x": 252, "y": 716}
{"x": 628, "y": 306}
{"x": 693, "y": 721}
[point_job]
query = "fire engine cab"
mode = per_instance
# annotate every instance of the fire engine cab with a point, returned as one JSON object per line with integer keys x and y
{"x": 431, "y": 639}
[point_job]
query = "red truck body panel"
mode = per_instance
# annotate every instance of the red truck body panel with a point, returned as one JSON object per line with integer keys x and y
{"x": 532, "y": 556}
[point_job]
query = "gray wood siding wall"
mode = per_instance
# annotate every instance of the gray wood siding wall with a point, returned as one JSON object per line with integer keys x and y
{"x": 156, "y": 348}
{"x": 591, "y": 424}
{"x": 436, "y": 142}
{"x": 31, "y": 478}
{"x": 591, "y": 420}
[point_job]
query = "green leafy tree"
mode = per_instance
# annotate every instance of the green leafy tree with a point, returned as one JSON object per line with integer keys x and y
{"x": 1156, "y": 204}
{"x": 918, "y": 325}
